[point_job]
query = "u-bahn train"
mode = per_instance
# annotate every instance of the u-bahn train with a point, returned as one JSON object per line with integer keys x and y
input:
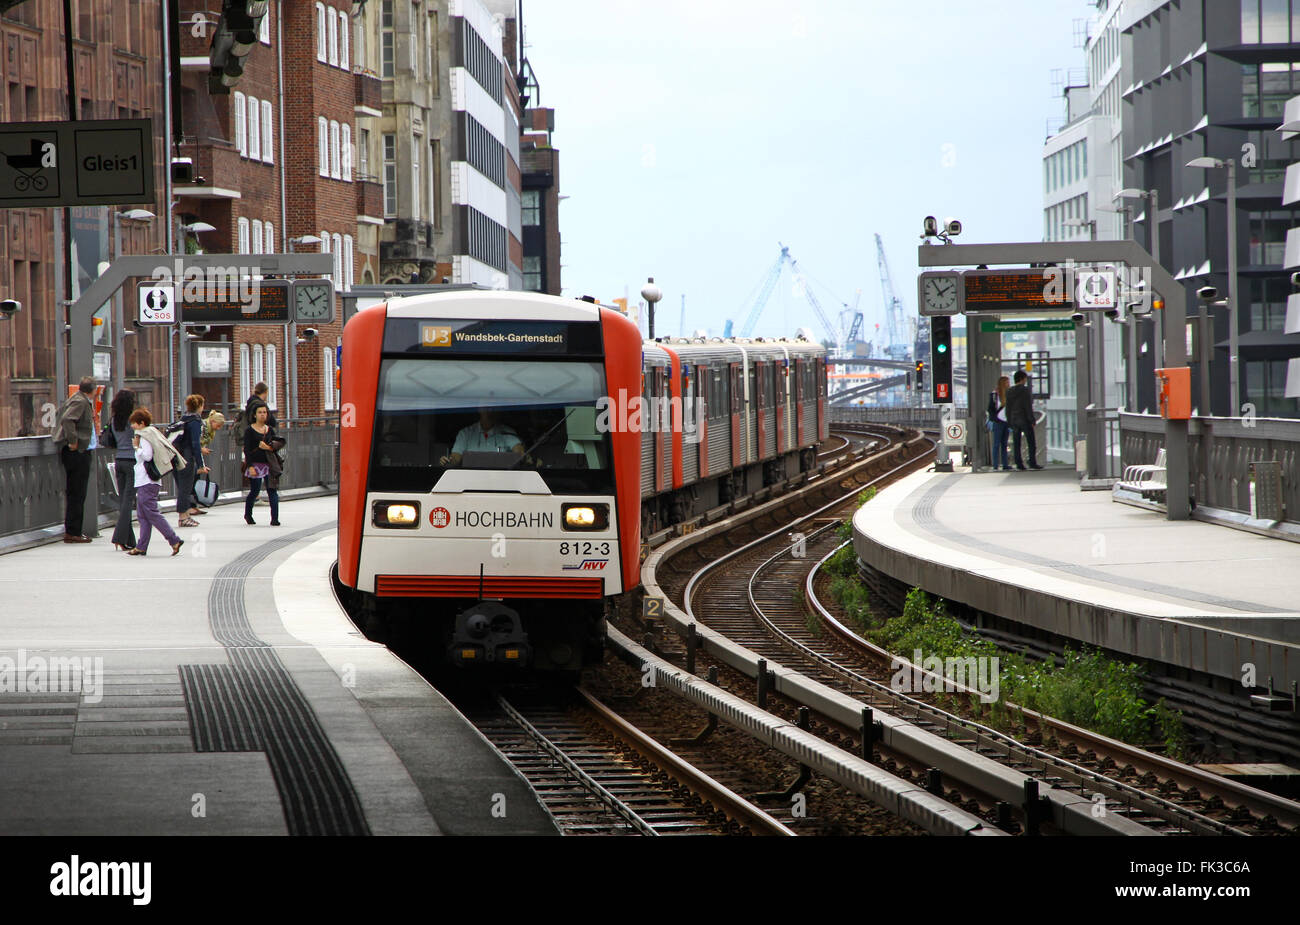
{"x": 503, "y": 453}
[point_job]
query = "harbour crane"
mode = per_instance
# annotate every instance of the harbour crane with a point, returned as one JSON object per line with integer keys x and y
{"x": 900, "y": 344}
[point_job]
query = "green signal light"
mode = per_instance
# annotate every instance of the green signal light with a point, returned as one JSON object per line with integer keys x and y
{"x": 942, "y": 348}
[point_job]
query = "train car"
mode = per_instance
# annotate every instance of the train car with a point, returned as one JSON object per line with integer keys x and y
{"x": 503, "y": 454}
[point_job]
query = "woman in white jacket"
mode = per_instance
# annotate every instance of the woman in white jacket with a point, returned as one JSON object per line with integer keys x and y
{"x": 152, "y": 446}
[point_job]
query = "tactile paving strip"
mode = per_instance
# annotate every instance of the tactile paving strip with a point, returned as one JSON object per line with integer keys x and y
{"x": 255, "y": 700}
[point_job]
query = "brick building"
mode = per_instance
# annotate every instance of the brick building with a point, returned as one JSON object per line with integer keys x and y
{"x": 112, "y": 47}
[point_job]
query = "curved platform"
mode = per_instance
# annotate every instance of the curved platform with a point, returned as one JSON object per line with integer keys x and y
{"x": 223, "y": 691}
{"x": 1034, "y": 549}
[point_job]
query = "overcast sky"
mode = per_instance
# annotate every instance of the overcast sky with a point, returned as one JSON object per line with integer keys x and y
{"x": 696, "y": 134}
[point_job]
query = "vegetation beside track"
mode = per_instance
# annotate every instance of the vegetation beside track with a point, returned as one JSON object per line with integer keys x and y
{"x": 1086, "y": 687}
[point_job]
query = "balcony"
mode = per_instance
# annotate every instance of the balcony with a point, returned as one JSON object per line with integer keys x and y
{"x": 370, "y": 197}
{"x": 217, "y": 169}
{"x": 411, "y": 240}
{"x": 368, "y": 94}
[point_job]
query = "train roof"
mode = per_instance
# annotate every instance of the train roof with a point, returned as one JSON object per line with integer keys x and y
{"x": 497, "y": 304}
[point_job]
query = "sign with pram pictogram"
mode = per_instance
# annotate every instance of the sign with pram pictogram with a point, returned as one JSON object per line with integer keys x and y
{"x": 94, "y": 163}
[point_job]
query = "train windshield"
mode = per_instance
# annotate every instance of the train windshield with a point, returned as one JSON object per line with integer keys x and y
{"x": 436, "y": 414}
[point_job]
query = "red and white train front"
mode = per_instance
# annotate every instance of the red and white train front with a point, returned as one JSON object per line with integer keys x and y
{"x": 487, "y": 493}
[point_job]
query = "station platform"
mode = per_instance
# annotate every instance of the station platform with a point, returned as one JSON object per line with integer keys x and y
{"x": 1032, "y": 548}
{"x": 223, "y": 691}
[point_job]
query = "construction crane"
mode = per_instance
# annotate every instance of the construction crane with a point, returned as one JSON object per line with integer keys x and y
{"x": 765, "y": 292}
{"x": 851, "y": 320}
{"x": 830, "y": 328}
{"x": 900, "y": 346}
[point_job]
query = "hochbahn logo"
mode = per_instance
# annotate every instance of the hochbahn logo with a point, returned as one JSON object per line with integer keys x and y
{"x": 440, "y": 517}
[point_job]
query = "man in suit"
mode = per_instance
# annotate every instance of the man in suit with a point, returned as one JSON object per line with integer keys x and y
{"x": 73, "y": 431}
{"x": 1020, "y": 415}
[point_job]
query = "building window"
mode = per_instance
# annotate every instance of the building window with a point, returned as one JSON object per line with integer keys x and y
{"x": 259, "y": 364}
{"x": 254, "y": 129}
{"x": 268, "y": 235}
{"x": 321, "y": 37}
{"x": 245, "y": 379}
{"x": 386, "y": 38}
{"x": 241, "y": 125}
{"x": 323, "y": 143}
{"x": 417, "y": 187}
{"x": 435, "y": 172}
{"x": 343, "y": 40}
{"x": 412, "y": 30}
{"x": 242, "y": 225}
{"x": 337, "y": 251}
{"x": 271, "y": 378}
{"x": 348, "y": 270}
{"x": 336, "y": 169}
{"x": 532, "y": 207}
{"x": 533, "y": 274}
{"x": 257, "y": 236}
{"x": 363, "y": 153}
{"x": 347, "y": 152}
{"x": 327, "y": 383}
{"x": 264, "y": 30}
{"x": 333, "y": 25}
{"x": 390, "y": 175}
{"x": 431, "y": 50}
{"x": 267, "y": 155}
{"x": 359, "y": 45}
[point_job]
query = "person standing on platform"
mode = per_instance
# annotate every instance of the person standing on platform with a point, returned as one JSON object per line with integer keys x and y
{"x": 1020, "y": 415}
{"x": 151, "y": 447}
{"x": 211, "y": 424}
{"x": 191, "y": 449}
{"x": 258, "y": 443}
{"x": 119, "y": 427}
{"x": 259, "y": 397}
{"x": 998, "y": 426}
{"x": 73, "y": 431}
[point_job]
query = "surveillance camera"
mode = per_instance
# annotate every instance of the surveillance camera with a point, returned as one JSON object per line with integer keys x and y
{"x": 1112, "y": 314}
{"x": 930, "y": 226}
{"x": 309, "y": 333}
{"x": 1295, "y": 279}
{"x": 10, "y": 307}
{"x": 1207, "y": 293}
{"x": 952, "y": 226}
{"x": 1077, "y": 317}
{"x": 201, "y": 329}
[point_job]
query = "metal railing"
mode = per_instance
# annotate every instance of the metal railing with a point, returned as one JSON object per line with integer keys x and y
{"x": 32, "y": 480}
{"x": 927, "y": 418}
{"x": 1220, "y": 452}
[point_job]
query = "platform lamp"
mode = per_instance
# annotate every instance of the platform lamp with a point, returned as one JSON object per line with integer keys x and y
{"x": 1234, "y": 390}
{"x": 1153, "y": 241}
{"x": 291, "y": 339}
{"x": 198, "y": 228}
{"x": 652, "y": 294}
{"x": 139, "y": 216}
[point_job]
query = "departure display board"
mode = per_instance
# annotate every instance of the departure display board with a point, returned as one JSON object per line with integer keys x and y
{"x": 229, "y": 300}
{"x": 1047, "y": 289}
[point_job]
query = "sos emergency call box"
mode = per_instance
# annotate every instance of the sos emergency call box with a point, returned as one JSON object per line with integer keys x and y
{"x": 1174, "y": 391}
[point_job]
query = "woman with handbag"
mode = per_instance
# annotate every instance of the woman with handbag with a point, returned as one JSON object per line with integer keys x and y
{"x": 190, "y": 446}
{"x": 154, "y": 457}
{"x": 998, "y": 426}
{"x": 118, "y": 434}
{"x": 260, "y": 442}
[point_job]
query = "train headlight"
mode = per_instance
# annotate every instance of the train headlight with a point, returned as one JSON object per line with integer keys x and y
{"x": 402, "y": 514}
{"x": 585, "y": 516}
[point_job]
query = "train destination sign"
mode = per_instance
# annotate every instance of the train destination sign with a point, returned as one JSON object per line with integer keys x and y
{"x": 1046, "y": 324}
{"x": 1018, "y": 290}
{"x": 446, "y": 336}
{"x": 239, "y": 301}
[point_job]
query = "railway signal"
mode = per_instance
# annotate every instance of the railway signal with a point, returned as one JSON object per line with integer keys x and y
{"x": 940, "y": 358}
{"x": 920, "y": 375}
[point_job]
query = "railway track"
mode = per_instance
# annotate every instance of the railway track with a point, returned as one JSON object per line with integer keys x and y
{"x": 753, "y": 595}
{"x": 599, "y": 775}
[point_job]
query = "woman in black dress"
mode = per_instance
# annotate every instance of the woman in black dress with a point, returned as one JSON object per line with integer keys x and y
{"x": 257, "y": 444}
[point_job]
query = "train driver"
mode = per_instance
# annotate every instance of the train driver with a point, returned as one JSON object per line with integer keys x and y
{"x": 485, "y": 436}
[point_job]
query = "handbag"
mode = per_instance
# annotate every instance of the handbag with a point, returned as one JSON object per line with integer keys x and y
{"x": 206, "y": 491}
{"x": 151, "y": 470}
{"x": 107, "y": 437}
